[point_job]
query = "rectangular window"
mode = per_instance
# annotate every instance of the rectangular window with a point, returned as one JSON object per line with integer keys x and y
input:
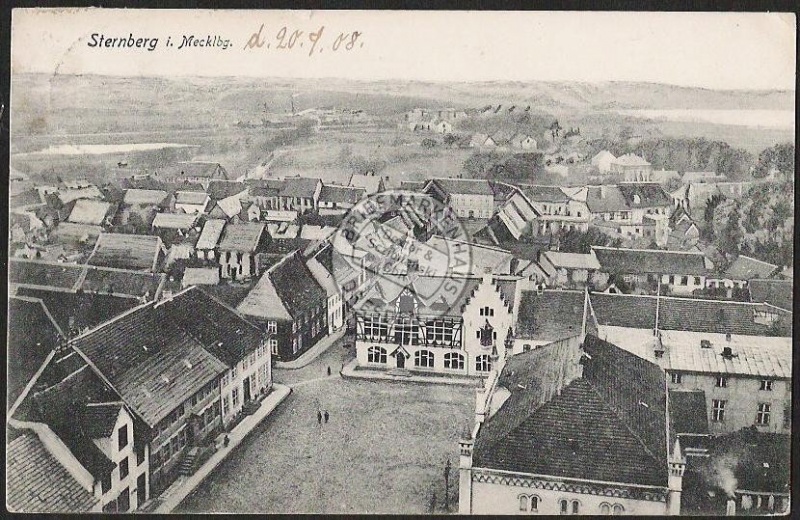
{"x": 766, "y": 384}
{"x": 762, "y": 416}
{"x": 124, "y": 501}
{"x": 225, "y": 380}
{"x": 273, "y": 346}
{"x": 272, "y": 327}
{"x": 245, "y": 362}
{"x": 175, "y": 444}
{"x": 122, "y": 437}
{"x": 722, "y": 382}
{"x": 235, "y": 395}
{"x": 718, "y": 410}
{"x": 684, "y": 280}
{"x": 677, "y": 378}
{"x": 139, "y": 455}
{"x": 225, "y": 405}
{"x": 234, "y": 371}
{"x": 697, "y": 280}
{"x": 123, "y": 468}
{"x": 106, "y": 484}
{"x": 787, "y": 415}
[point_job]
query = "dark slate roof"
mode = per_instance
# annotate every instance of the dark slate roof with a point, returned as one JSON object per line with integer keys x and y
{"x": 32, "y": 335}
{"x": 650, "y": 195}
{"x": 549, "y": 316}
{"x": 86, "y": 309}
{"x": 264, "y": 187}
{"x": 774, "y": 292}
{"x": 122, "y": 282}
{"x": 602, "y": 199}
{"x": 544, "y": 193}
{"x": 296, "y": 286}
{"x": 219, "y": 190}
{"x": 687, "y": 314}
{"x": 45, "y": 274}
{"x": 154, "y": 363}
{"x": 746, "y": 268}
{"x": 301, "y": 187}
{"x": 594, "y": 428}
{"x": 624, "y": 310}
{"x": 341, "y": 194}
{"x": 98, "y": 420}
{"x": 222, "y": 330}
{"x": 687, "y": 411}
{"x": 26, "y": 198}
{"x": 37, "y": 483}
{"x": 649, "y": 261}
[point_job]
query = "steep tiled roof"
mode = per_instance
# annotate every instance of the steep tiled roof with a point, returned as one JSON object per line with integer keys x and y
{"x": 371, "y": 183}
{"x": 152, "y": 362}
{"x": 200, "y": 276}
{"x": 463, "y": 186}
{"x": 647, "y": 261}
{"x": 746, "y": 268}
{"x": 242, "y": 237}
{"x": 45, "y": 274}
{"x": 37, "y": 483}
{"x": 549, "y": 316}
{"x": 630, "y": 159}
{"x": 687, "y": 411}
{"x": 572, "y": 260}
{"x": 191, "y": 197}
{"x": 26, "y": 198}
{"x": 87, "y": 211}
{"x": 122, "y": 282}
{"x": 264, "y": 187}
{"x": 296, "y": 286}
{"x": 127, "y": 251}
{"x": 650, "y": 195}
{"x": 385, "y": 290}
{"x": 219, "y": 190}
{"x": 323, "y": 277}
{"x": 593, "y": 426}
{"x": 774, "y": 292}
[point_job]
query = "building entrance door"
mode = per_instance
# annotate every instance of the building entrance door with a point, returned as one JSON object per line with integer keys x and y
{"x": 141, "y": 490}
{"x": 246, "y": 384}
{"x": 401, "y": 360}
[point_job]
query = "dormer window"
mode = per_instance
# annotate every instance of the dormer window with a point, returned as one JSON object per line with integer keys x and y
{"x": 766, "y": 384}
{"x": 122, "y": 437}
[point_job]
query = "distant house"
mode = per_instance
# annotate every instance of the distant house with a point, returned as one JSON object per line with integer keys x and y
{"x": 482, "y": 141}
{"x": 569, "y": 270}
{"x": 92, "y": 212}
{"x": 556, "y": 209}
{"x": 338, "y": 200}
{"x": 316, "y": 232}
{"x": 468, "y": 198}
{"x": 136, "y": 252}
{"x": 548, "y": 315}
{"x": 227, "y": 209}
{"x": 196, "y": 171}
{"x": 180, "y": 222}
{"x": 156, "y": 198}
{"x": 288, "y": 303}
{"x": 517, "y": 215}
{"x": 602, "y": 161}
{"x": 87, "y": 192}
{"x": 631, "y": 167}
{"x": 192, "y": 201}
{"x": 778, "y": 293}
{"x": 681, "y": 272}
{"x": 299, "y": 194}
{"x": 442, "y": 127}
{"x": 239, "y": 250}
{"x": 741, "y": 271}
{"x": 502, "y": 138}
{"x": 523, "y": 141}
{"x": 370, "y": 182}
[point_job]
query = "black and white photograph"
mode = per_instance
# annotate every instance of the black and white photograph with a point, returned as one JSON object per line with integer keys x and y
{"x": 400, "y": 262}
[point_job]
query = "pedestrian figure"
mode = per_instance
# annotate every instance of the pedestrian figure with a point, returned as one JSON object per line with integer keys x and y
{"x": 329, "y": 371}
{"x": 319, "y": 417}
{"x": 326, "y": 416}
{"x": 227, "y": 441}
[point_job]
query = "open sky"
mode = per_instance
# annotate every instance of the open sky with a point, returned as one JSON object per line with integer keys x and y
{"x": 711, "y": 50}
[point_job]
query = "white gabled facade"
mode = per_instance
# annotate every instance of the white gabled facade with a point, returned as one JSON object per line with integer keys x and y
{"x": 250, "y": 378}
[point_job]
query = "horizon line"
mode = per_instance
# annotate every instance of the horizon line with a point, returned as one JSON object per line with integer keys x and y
{"x": 414, "y": 80}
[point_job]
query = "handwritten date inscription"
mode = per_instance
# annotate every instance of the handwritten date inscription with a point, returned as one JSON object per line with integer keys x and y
{"x": 315, "y": 41}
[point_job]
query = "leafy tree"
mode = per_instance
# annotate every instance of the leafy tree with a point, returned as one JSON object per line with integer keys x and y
{"x": 450, "y": 139}
{"x": 576, "y": 241}
{"x": 428, "y": 143}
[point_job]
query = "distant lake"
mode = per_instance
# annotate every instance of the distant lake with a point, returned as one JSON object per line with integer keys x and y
{"x": 96, "y": 149}
{"x": 782, "y": 119}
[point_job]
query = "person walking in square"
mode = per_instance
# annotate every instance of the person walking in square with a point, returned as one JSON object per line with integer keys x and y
{"x": 319, "y": 417}
{"x": 326, "y": 416}
{"x": 329, "y": 371}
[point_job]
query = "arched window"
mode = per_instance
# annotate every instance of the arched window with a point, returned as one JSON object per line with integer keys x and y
{"x": 523, "y": 502}
{"x": 605, "y": 509}
{"x": 528, "y": 503}
{"x": 423, "y": 358}
{"x": 483, "y": 363}
{"x": 454, "y": 361}
{"x": 376, "y": 354}
{"x": 617, "y": 509}
{"x": 569, "y": 507}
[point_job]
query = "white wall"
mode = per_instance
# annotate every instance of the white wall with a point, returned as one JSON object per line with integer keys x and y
{"x": 255, "y": 370}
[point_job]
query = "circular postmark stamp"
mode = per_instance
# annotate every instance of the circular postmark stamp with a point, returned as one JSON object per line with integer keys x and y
{"x": 396, "y": 242}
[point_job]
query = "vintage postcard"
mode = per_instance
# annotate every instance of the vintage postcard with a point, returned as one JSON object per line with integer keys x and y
{"x": 351, "y": 262}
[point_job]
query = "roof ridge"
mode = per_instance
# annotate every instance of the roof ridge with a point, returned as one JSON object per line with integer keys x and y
{"x": 228, "y": 308}
{"x": 695, "y": 253}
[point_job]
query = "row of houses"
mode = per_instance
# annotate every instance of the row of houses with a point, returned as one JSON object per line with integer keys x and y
{"x": 115, "y": 415}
